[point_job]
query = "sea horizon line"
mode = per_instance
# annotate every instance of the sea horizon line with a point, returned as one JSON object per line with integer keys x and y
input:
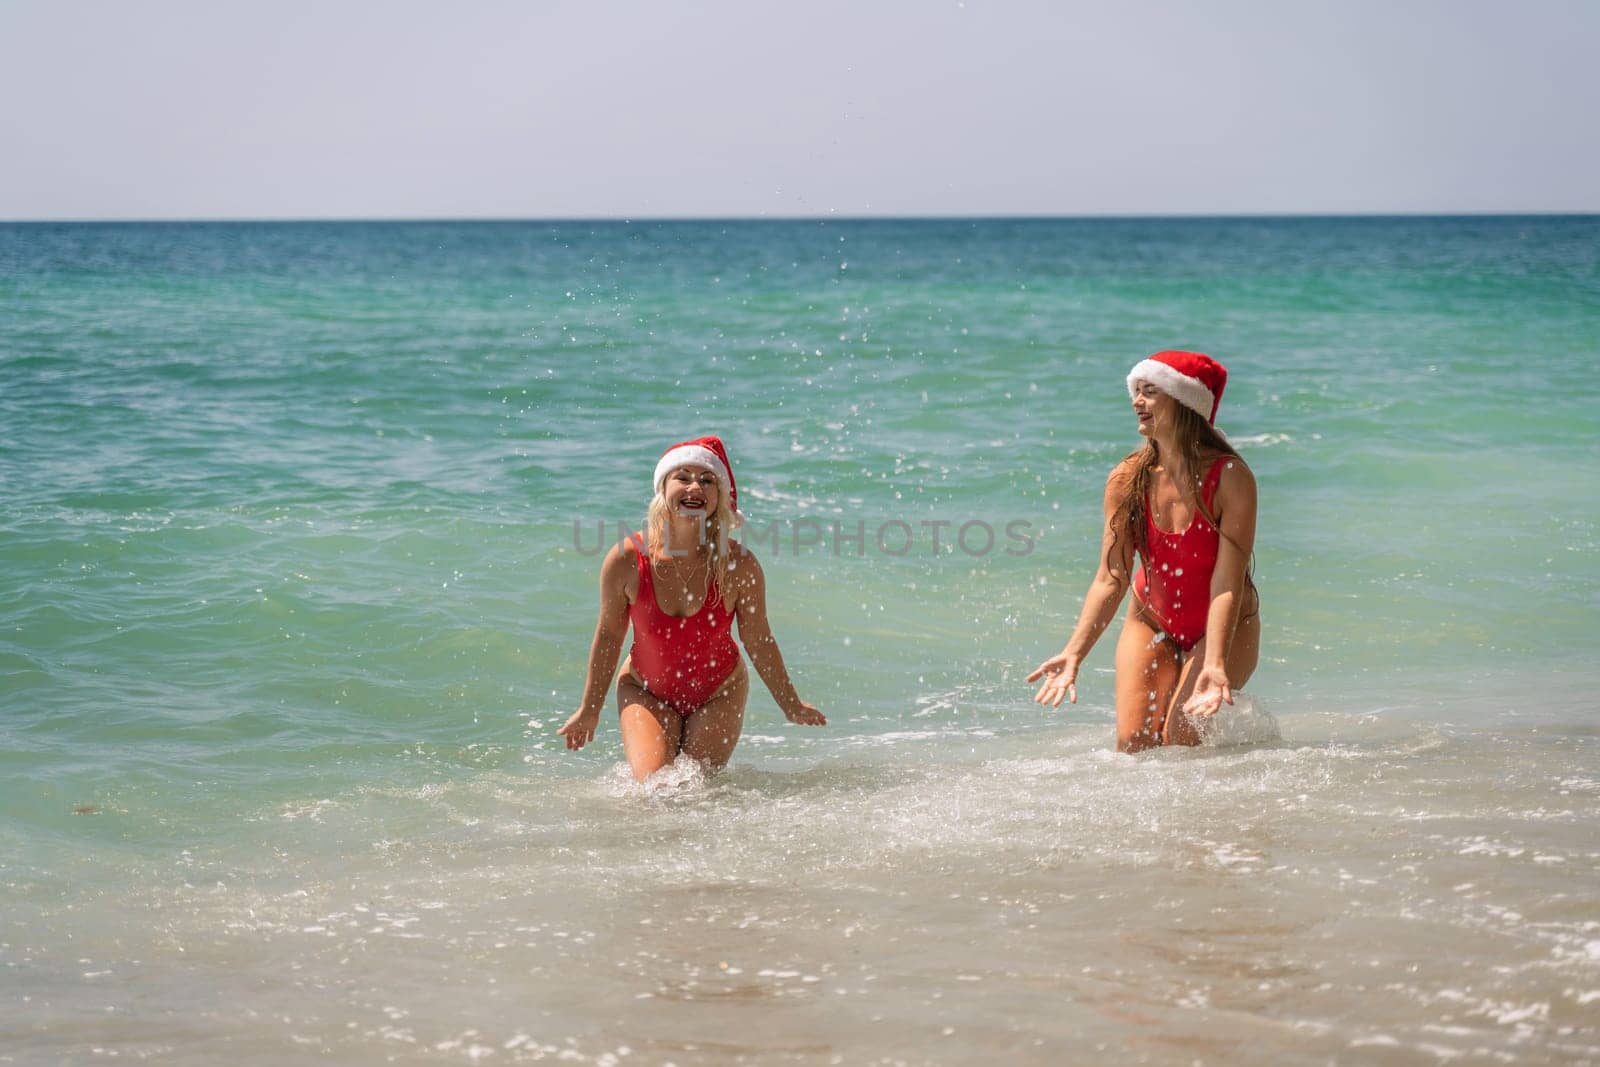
{"x": 1242, "y": 216}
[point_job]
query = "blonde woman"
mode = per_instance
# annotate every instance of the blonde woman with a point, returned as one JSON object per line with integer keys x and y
{"x": 680, "y": 585}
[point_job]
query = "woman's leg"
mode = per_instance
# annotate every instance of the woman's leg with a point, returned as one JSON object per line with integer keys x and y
{"x": 652, "y": 733}
{"x": 1147, "y": 671}
{"x": 711, "y": 732}
{"x": 1244, "y": 651}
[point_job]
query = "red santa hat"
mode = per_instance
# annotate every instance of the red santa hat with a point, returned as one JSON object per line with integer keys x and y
{"x": 1193, "y": 379}
{"x": 706, "y": 452}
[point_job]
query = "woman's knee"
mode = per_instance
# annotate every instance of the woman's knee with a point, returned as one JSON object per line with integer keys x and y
{"x": 710, "y": 734}
{"x": 652, "y": 733}
{"x": 1245, "y": 653}
{"x": 1146, "y": 671}
{"x": 712, "y": 739}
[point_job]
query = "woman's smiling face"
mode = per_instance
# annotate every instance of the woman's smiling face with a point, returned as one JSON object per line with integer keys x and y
{"x": 1153, "y": 407}
{"x": 692, "y": 491}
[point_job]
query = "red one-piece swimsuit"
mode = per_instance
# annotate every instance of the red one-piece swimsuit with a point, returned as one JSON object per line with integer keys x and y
{"x": 682, "y": 660}
{"x": 1174, "y": 579}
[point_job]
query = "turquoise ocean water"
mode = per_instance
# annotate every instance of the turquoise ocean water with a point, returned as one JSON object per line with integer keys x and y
{"x": 297, "y": 578}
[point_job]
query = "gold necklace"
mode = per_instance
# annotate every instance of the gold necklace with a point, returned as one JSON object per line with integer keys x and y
{"x": 687, "y": 580}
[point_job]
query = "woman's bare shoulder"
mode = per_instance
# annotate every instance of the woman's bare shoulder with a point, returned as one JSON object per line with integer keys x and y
{"x": 1121, "y": 475}
{"x": 625, "y": 550}
{"x": 1235, "y": 468}
{"x": 621, "y": 563}
{"x": 742, "y": 559}
{"x": 1236, "y": 479}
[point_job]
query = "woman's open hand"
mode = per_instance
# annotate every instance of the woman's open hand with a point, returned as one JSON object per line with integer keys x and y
{"x": 1211, "y": 691}
{"x": 579, "y": 730}
{"x": 1060, "y": 673}
{"x": 805, "y": 715}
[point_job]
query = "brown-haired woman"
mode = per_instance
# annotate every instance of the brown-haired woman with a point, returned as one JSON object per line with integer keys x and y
{"x": 1186, "y": 504}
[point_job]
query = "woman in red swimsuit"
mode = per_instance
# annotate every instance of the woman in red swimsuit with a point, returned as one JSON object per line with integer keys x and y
{"x": 684, "y": 685}
{"x": 1186, "y": 504}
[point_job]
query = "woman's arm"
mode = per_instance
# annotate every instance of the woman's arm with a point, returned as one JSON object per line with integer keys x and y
{"x": 1236, "y": 519}
{"x": 1099, "y": 604}
{"x": 604, "y": 650}
{"x": 755, "y": 633}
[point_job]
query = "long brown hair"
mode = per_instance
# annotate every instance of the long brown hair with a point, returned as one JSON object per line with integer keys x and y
{"x": 1196, "y": 436}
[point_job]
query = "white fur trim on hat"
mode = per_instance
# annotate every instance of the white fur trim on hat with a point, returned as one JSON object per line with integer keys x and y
{"x": 1190, "y": 392}
{"x": 684, "y": 455}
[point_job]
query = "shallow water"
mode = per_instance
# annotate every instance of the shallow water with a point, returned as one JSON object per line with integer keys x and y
{"x": 920, "y": 899}
{"x": 291, "y": 603}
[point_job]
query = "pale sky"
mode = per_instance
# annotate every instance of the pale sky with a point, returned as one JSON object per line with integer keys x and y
{"x": 554, "y": 109}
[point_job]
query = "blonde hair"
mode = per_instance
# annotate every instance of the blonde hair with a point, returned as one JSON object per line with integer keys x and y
{"x": 717, "y": 527}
